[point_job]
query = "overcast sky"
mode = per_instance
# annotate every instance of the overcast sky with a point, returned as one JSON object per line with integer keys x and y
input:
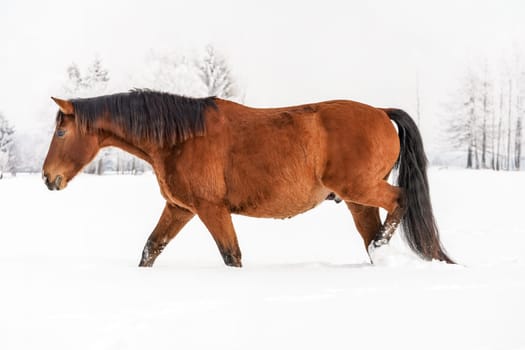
{"x": 281, "y": 52}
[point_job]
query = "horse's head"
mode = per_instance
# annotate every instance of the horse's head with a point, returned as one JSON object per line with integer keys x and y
{"x": 71, "y": 148}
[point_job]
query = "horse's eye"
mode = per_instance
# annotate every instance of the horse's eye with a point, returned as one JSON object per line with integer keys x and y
{"x": 61, "y": 133}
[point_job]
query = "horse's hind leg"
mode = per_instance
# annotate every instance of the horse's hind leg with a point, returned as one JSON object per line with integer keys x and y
{"x": 367, "y": 221}
{"x": 379, "y": 195}
{"x": 172, "y": 220}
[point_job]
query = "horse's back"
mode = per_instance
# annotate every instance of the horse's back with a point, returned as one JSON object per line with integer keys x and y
{"x": 331, "y": 132}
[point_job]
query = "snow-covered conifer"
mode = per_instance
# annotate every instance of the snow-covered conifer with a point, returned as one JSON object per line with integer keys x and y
{"x": 7, "y": 154}
{"x": 215, "y": 74}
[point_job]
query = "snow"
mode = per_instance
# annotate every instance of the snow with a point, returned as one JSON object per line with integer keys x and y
{"x": 68, "y": 275}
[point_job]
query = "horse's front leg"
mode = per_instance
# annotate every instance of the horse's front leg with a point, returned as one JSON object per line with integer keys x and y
{"x": 172, "y": 220}
{"x": 219, "y": 222}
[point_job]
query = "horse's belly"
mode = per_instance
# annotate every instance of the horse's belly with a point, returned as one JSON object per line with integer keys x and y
{"x": 281, "y": 205}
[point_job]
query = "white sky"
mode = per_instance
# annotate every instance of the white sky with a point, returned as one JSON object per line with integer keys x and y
{"x": 283, "y": 52}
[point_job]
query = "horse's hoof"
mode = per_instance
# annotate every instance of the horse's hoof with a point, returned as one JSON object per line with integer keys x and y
{"x": 146, "y": 264}
{"x": 373, "y": 249}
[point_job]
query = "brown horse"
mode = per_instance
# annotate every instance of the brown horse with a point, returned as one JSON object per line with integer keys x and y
{"x": 214, "y": 157}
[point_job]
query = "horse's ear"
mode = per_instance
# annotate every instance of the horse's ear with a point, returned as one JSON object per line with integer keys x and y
{"x": 65, "y": 106}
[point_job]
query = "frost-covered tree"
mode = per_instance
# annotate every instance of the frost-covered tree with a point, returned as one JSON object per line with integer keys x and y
{"x": 170, "y": 72}
{"x": 518, "y": 143}
{"x": 74, "y": 82}
{"x": 97, "y": 76}
{"x": 486, "y": 117}
{"x": 93, "y": 82}
{"x": 205, "y": 75}
{"x": 7, "y": 154}
{"x": 520, "y": 110}
{"x": 215, "y": 74}
{"x": 487, "y": 126}
{"x": 464, "y": 119}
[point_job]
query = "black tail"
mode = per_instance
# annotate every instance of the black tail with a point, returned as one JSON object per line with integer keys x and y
{"x": 418, "y": 224}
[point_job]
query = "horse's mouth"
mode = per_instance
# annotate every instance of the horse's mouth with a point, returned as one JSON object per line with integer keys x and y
{"x": 54, "y": 185}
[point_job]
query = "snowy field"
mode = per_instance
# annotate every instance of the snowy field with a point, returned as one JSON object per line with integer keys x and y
{"x": 68, "y": 275}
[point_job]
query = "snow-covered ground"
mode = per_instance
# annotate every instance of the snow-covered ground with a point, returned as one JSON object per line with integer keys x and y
{"x": 68, "y": 275}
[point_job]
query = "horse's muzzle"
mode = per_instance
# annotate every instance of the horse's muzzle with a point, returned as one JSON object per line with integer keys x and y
{"x": 52, "y": 185}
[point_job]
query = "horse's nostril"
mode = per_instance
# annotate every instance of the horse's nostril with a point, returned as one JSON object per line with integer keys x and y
{"x": 58, "y": 181}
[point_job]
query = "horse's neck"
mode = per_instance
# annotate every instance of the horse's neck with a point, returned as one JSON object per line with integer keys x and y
{"x": 111, "y": 139}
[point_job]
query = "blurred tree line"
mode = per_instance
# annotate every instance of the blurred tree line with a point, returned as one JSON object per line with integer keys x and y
{"x": 485, "y": 117}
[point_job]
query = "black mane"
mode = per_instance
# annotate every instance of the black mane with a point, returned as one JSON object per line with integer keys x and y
{"x": 149, "y": 115}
